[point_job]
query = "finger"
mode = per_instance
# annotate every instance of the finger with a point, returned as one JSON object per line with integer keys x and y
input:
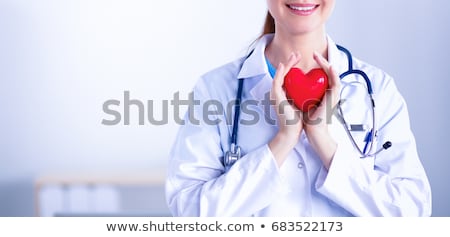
{"x": 335, "y": 80}
{"x": 292, "y": 61}
{"x": 278, "y": 79}
{"x": 323, "y": 63}
{"x": 329, "y": 70}
{"x": 282, "y": 71}
{"x": 334, "y": 86}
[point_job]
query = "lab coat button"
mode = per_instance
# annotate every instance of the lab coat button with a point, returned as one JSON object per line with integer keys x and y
{"x": 300, "y": 165}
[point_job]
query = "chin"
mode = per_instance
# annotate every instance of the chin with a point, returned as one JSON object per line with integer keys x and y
{"x": 305, "y": 29}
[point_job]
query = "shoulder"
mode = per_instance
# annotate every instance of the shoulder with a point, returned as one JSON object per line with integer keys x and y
{"x": 219, "y": 80}
{"x": 225, "y": 72}
{"x": 343, "y": 59}
{"x": 388, "y": 98}
{"x": 380, "y": 79}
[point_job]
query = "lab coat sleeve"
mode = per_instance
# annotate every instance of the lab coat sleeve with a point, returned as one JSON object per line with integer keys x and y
{"x": 393, "y": 183}
{"x": 196, "y": 183}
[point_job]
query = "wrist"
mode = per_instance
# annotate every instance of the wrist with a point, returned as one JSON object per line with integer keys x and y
{"x": 288, "y": 135}
{"x": 324, "y": 145}
{"x": 281, "y": 145}
{"x": 317, "y": 131}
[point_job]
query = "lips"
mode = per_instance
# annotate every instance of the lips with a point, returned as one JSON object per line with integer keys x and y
{"x": 302, "y": 9}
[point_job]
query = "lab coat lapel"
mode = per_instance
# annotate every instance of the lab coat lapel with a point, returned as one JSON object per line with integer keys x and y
{"x": 336, "y": 58}
{"x": 254, "y": 71}
{"x": 261, "y": 88}
{"x": 255, "y": 63}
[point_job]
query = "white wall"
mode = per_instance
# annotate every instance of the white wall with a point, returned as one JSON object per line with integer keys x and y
{"x": 61, "y": 60}
{"x": 409, "y": 40}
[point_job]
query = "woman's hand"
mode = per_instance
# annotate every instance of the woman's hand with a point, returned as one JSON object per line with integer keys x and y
{"x": 316, "y": 120}
{"x": 289, "y": 117}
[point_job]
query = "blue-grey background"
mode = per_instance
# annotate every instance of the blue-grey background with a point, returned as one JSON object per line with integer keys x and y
{"x": 61, "y": 60}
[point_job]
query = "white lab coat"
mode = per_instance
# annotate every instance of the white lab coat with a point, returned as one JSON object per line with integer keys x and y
{"x": 393, "y": 183}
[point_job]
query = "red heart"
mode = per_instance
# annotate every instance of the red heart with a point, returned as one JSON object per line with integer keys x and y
{"x": 306, "y": 90}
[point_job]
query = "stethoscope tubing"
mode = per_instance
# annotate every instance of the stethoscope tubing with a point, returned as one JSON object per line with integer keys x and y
{"x": 234, "y": 153}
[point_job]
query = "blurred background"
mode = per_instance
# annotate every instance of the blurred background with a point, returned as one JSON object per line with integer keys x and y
{"x": 60, "y": 61}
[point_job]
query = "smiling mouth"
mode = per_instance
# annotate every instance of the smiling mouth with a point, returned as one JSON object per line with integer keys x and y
{"x": 303, "y": 8}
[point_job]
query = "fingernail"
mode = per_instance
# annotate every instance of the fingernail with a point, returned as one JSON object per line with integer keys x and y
{"x": 293, "y": 55}
{"x": 315, "y": 54}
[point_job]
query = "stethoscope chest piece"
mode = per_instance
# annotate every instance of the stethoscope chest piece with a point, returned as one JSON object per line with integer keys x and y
{"x": 231, "y": 156}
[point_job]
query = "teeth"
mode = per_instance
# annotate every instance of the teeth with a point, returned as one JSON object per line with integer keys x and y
{"x": 302, "y": 8}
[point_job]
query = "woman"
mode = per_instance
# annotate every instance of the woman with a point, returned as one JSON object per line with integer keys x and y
{"x": 296, "y": 167}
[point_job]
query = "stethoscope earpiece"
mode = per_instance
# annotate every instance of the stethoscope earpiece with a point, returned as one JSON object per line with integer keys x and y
{"x": 385, "y": 146}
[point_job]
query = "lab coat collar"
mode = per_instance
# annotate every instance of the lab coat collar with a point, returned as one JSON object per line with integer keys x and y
{"x": 336, "y": 57}
{"x": 255, "y": 64}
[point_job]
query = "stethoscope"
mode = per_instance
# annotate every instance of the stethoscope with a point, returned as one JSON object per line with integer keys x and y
{"x": 234, "y": 154}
